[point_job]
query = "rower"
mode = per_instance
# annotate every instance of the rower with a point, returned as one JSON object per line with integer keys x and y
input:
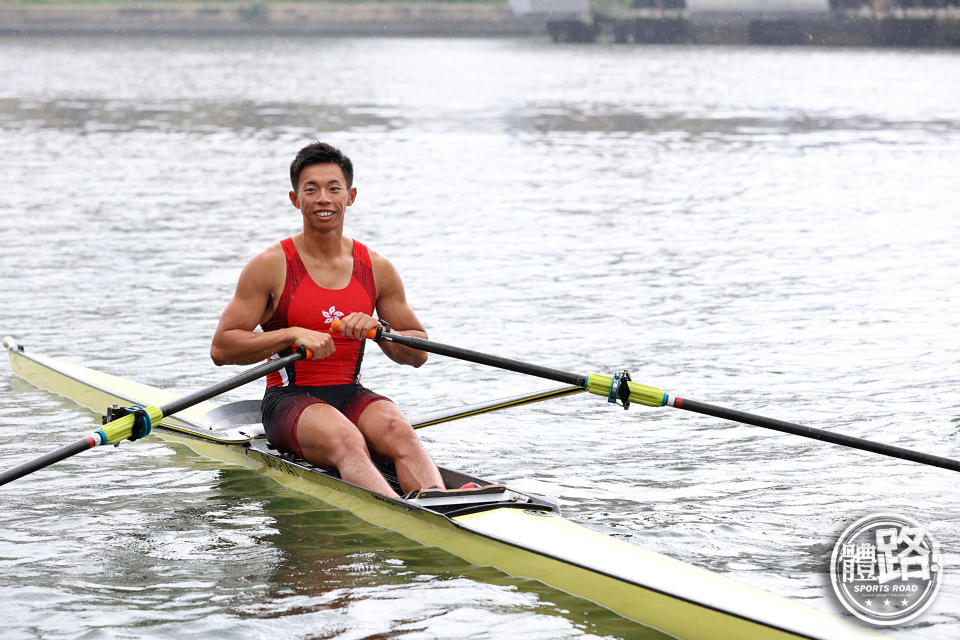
{"x": 316, "y": 408}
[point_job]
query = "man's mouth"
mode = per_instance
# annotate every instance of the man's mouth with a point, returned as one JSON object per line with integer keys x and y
{"x": 323, "y": 214}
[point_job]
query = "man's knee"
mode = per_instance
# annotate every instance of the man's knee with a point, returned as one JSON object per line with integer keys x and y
{"x": 397, "y": 438}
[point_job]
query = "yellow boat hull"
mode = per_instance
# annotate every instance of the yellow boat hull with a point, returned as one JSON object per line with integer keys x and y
{"x": 652, "y": 589}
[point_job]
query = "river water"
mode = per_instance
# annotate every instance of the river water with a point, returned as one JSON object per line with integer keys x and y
{"x": 771, "y": 229}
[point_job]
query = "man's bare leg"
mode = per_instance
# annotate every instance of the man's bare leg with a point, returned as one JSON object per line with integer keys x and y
{"x": 328, "y": 439}
{"x": 389, "y": 434}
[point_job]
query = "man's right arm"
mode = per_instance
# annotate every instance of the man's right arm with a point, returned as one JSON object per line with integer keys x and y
{"x": 236, "y": 342}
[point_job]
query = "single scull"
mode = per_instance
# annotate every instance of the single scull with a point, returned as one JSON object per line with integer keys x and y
{"x": 520, "y": 534}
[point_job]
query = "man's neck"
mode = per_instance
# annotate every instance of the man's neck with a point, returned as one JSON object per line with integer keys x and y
{"x": 323, "y": 245}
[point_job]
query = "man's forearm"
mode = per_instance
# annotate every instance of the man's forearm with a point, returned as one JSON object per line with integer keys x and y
{"x": 238, "y": 346}
{"x": 406, "y": 355}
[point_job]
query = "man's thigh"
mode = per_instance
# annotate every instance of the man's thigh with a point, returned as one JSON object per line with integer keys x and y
{"x": 325, "y": 435}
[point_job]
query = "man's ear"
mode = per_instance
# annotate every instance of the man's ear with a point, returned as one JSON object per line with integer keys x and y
{"x": 353, "y": 196}
{"x": 293, "y": 199}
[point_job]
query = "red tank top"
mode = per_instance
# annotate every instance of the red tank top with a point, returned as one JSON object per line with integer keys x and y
{"x": 304, "y": 303}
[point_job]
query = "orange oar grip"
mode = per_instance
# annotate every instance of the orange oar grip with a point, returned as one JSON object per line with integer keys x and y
{"x": 308, "y": 352}
{"x": 335, "y": 325}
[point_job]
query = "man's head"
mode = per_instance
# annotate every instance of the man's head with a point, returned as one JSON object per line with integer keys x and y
{"x": 320, "y": 153}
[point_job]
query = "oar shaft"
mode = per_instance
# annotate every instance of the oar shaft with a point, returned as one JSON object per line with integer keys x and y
{"x": 228, "y": 385}
{"x": 47, "y": 459}
{"x": 486, "y": 359}
{"x": 817, "y": 434}
{"x": 598, "y": 384}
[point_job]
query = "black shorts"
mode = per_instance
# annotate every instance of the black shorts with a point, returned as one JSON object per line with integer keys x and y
{"x": 282, "y": 407}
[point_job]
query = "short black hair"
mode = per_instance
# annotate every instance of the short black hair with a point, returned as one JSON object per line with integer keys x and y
{"x": 320, "y": 153}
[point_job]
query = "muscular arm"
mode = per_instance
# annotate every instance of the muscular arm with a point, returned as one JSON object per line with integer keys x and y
{"x": 393, "y": 307}
{"x": 235, "y": 341}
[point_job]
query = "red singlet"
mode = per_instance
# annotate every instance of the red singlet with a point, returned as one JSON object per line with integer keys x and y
{"x": 304, "y": 303}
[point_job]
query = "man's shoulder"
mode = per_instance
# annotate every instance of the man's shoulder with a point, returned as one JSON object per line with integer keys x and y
{"x": 271, "y": 254}
{"x": 355, "y": 247}
{"x": 384, "y": 273}
{"x": 269, "y": 260}
{"x": 377, "y": 261}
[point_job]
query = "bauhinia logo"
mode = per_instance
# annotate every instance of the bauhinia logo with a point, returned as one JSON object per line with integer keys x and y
{"x": 331, "y": 314}
{"x": 886, "y": 569}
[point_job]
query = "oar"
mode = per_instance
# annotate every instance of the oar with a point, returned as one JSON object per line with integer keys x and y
{"x": 619, "y": 387}
{"x": 124, "y": 427}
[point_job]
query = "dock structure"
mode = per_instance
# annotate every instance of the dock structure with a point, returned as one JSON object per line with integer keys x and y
{"x": 912, "y": 23}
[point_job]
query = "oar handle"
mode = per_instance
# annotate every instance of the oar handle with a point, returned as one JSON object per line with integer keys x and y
{"x": 373, "y": 334}
{"x": 307, "y": 353}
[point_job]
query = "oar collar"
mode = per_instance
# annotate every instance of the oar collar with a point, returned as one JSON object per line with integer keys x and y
{"x": 620, "y": 389}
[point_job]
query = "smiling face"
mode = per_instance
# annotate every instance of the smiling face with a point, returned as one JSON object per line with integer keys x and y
{"x": 323, "y": 196}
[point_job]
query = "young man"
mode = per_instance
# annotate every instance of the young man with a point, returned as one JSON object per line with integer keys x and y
{"x": 294, "y": 290}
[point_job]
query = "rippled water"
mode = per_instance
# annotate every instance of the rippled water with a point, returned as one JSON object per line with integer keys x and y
{"x": 769, "y": 229}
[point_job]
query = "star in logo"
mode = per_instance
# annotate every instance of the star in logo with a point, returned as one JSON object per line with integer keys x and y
{"x": 884, "y": 548}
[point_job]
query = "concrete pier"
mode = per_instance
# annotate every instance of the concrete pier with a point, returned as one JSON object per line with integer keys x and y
{"x": 904, "y": 27}
{"x": 864, "y": 27}
{"x": 914, "y": 27}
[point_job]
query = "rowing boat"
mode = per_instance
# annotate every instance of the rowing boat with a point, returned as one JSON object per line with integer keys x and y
{"x": 491, "y": 525}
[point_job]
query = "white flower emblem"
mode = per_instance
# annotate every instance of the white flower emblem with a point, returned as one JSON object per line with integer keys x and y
{"x": 331, "y": 314}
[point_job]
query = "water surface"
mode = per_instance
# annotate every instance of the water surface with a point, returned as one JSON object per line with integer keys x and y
{"x": 768, "y": 229}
